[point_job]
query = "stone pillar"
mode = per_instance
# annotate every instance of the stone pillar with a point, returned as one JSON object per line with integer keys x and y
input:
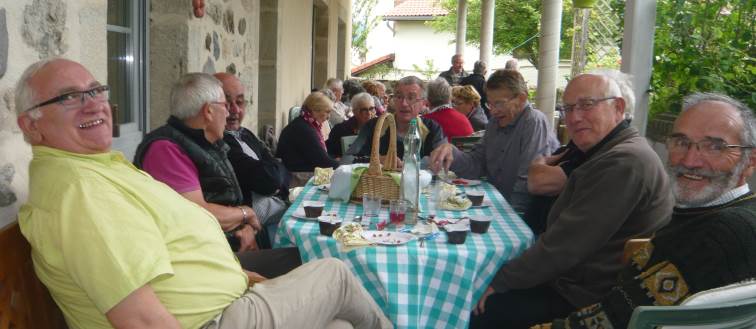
{"x": 486, "y": 30}
{"x": 637, "y": 54}
{"x": 548, "y": 57}
{"x": 461, "y": 26}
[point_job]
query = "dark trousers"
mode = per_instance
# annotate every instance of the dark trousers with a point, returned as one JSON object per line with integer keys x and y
{"x": 270, "y": 263}
{"x": 522, "y": 308}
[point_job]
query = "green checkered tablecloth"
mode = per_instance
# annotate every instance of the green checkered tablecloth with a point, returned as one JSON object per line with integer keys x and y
{"x": 435, "y": 286}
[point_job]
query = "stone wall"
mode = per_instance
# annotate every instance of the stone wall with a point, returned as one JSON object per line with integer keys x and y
{"x": 31, "y": 30}
{"x": 224, "y": 40}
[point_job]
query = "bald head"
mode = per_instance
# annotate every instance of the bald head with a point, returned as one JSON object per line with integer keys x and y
{"x": 234, "y": 92}
{"x": 594, "y": 107}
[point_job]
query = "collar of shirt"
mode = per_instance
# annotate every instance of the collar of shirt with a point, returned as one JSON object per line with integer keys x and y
{"x": 726, "y": 197}
{"x": 443, "y": 106}
{"x": 245, "y": 148}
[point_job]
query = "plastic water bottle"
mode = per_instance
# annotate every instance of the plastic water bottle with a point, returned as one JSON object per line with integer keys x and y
{"x": 410, "y": 183}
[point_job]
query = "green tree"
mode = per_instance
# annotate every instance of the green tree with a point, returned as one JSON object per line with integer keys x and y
{"x": 703, "y": 46}
{"x": 516, "y": 26}
{"x": 363, "y": 22}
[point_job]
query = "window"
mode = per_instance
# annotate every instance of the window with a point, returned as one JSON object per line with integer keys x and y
{"x": 127, "y": 72}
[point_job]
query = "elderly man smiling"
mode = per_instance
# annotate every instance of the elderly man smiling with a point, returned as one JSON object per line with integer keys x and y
{"x": 118, "y": 249}
{"x": 621, "y": 191}
{"x": 711, "y": 240}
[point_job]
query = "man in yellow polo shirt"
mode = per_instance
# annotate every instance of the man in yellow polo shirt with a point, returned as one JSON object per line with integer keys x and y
{"x": 119, "y": 249}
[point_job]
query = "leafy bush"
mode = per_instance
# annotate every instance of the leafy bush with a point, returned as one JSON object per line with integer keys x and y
{"x": 703, "y": 46}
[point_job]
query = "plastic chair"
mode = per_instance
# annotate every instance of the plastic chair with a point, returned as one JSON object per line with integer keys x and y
{"x": 732, "y": 306}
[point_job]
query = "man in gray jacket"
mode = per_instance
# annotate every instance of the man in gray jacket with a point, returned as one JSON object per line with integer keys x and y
{"x": 516, "y": 134}
{"x": 621, "y": 191}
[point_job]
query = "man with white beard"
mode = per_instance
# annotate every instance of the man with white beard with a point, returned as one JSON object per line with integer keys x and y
{"x": 711, "y": 240}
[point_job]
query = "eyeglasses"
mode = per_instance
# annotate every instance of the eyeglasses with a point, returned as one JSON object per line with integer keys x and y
{"x": 366, "y": 109}
{"x": 500, "y": 104}
{"x": 224, "y": 104}
{"x": 411, "y": 99}
{"x": 240, "y": 103}
{"x": 584, "y": 104}
{"x": 708, "y": 147}
{"x": 76, "y": 99}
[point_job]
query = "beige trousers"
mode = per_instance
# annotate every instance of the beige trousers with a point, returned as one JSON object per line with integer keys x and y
{"x": 311, "y": 296}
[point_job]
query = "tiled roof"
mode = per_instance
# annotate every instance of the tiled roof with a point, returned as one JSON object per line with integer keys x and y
{"x": 367, "y": 65}
{"x": 416, "y": 8}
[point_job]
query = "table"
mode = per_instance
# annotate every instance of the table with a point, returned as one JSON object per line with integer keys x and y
{"x": 435, "y": 286}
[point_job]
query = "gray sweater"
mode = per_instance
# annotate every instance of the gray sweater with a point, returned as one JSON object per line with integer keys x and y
{"x": 622, "y": 191}
{"x": 504, "y": 154}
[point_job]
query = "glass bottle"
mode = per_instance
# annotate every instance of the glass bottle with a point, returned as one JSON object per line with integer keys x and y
{"x": 410, "y": 181}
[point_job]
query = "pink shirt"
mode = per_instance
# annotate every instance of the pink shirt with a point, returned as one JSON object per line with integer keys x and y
{"x": 168, "y": 163}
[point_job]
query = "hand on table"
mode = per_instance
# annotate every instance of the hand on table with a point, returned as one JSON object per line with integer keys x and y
{"x": 480, "y": 308}
{"x": 441, "y": 158}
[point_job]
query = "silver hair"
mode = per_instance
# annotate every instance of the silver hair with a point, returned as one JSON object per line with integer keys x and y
{"x": 333, "y": 82}
{"x": 748, "y": 135}
{"x": 439, "y": 92}
{"x": 362, "y": 98}
{"x": 329, "y": 93}
{"x": 620, "y": 84}
{"x": 25, "y": 95}
{"x": 512, "y": 64}
{"x": 412, "y": 80}
{"x": 479, "y": 67}
{"x": 192, "y": 92}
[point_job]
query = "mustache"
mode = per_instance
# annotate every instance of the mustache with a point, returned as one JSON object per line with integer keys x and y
{"x": 711, "y": 174}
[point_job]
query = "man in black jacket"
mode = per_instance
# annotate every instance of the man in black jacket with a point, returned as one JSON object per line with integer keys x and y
{"x": 262, "y": 178}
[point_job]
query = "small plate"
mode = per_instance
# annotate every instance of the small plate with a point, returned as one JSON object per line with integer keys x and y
{"x": 465, "y": 182}
{"x": 484, "y": 204}
{"x": 387, "y": 238}
{"x": 300, "y": 214}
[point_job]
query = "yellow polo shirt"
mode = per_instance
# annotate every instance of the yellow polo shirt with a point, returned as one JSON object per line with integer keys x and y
{"x": 100, "y": 229}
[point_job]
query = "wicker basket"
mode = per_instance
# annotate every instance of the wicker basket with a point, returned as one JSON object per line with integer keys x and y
{"x": 373, "y": 181}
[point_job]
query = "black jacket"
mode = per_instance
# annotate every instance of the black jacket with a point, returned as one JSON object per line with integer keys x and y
{"x": 265, "y": 176}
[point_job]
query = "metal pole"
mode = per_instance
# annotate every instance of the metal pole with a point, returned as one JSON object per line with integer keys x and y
{"x": 548, "y": 62}
{"x": 461, "y": 26}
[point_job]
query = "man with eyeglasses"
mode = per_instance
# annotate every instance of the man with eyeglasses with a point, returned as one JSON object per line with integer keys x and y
{"x": 262, "y": 179}
{"x": 711, "y": 240}
{"x": 118, "y": 249}
{"x": 620, "y": 191}
{"x": 408, "y": 101}
{"x": 189, "y": 155}
{"x": 515, "y": 135}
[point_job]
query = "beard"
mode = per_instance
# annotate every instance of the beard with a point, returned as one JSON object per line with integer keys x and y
{"x": 720, "y": 183}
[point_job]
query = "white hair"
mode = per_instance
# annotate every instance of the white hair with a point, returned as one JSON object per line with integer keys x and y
{"x": 363, "y": 98}
{"x": 25, "y": 95}
{"x": 192, "y": 92}
{"x": 621, "y": 85}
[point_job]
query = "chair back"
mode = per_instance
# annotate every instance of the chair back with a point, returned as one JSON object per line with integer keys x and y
{"x": 25, "y": 303}
{"x": 732, "y": 306}
{"x": 346, "y": 142}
